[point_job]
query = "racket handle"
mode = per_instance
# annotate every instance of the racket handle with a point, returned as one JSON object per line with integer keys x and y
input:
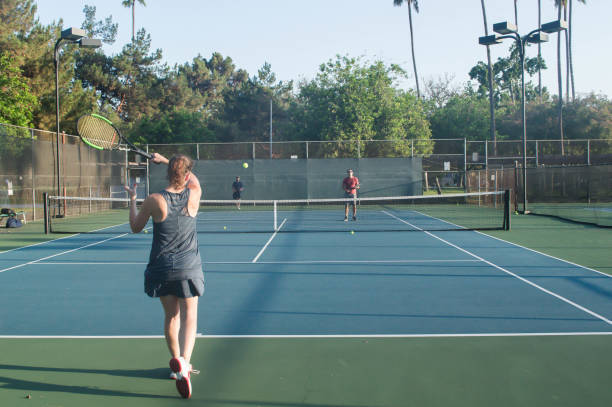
{"x": 143, "y": 154}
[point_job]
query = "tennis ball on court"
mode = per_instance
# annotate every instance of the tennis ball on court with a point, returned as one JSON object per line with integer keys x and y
{"x": 146, "y": 231}
{"x": 224, "y": 227}
{"x": 516, "y": 212}
{"x": 245, "y": 165}
{"x": 352, "y": 232}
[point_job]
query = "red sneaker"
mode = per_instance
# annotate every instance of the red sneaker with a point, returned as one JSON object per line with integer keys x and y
{"x": 183, "y": 376}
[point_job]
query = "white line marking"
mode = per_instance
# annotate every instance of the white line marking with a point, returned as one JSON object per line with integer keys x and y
{"x": 269, "y": 241}
{"x": 271, "y": 262}
{"x": 36, "y": 244}
{"x": 560, "y": 297}
{"x": 315, "y": 336}
{"x": 64, "y": 252}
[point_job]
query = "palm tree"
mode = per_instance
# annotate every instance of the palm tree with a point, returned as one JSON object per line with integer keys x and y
{"x": 415, "y": 4}
{"x": 559, "y": 4}
{"x": 567, "y": 57}
{"x": 540, "y": 51}
{"x": 132, "y": 4}
{"x": 490, "y": 79}
{"x": 569, "y": 45}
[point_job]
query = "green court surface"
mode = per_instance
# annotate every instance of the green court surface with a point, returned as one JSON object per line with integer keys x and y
{"x": 311, "y": 372}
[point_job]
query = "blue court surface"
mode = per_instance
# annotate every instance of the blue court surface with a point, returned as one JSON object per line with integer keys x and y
{"x": 441, "y": 283}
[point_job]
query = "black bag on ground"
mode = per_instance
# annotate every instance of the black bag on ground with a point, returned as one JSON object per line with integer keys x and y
{"x": 13, "y": 222}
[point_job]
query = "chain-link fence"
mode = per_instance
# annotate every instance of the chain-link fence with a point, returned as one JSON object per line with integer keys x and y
{"x": 28, "y": 169}
{"x": 581, "y": 193}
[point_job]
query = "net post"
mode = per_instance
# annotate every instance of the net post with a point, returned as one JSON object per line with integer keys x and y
{"x": 46, "y": 212}
{"x": 507, "y": 209}
{"x": 275, "y": 218}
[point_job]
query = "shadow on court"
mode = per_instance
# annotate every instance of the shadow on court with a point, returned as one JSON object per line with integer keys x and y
{"x": 28, "y": 386}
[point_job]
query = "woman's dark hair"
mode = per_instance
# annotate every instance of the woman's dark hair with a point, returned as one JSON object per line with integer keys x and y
{"x": 178, "y": 167}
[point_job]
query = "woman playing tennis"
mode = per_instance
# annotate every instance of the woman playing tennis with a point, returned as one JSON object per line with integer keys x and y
{"x": 174, "y": 272}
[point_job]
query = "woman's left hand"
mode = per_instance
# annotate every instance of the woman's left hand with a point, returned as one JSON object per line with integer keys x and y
{"x": 132, "y": 191}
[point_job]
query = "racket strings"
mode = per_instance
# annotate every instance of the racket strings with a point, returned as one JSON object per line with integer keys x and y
{"x": 98, "y": 132}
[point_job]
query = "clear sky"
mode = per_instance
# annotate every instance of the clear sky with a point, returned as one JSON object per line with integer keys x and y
{"x": 295, "y": 37}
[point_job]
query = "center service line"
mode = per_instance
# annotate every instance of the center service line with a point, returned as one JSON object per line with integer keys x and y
{"x": 268, "y": 242}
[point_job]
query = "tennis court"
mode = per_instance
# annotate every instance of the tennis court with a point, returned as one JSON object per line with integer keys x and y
{"x": 407, "y": 316}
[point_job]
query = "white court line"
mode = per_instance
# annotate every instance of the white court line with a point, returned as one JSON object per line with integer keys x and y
{"x": 269, "y": 241}
{"x": 64, "y": 252}
{"x": 580, "y": 307}
{"x": 272, "y": 262}
{"x": 316, "y": 336}
{"x": 522, "y": 247}
{"x": 36, "y": 244}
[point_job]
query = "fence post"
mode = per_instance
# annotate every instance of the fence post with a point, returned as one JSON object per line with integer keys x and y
{"x": 307, "y": 150}
{"x": 46, "y": 212}
{"x": 537, "y": 156}
{"x": 198, "y": 151}
{"x": 33, "y": 177}
{"x": 486, "y": 154}
{"x": 589, "y": 152}
{"x": 465, "y": 157}
{"x": 253, "y": 150}
{"x": 147, "y": 169}
{"x": 507, "y": 209}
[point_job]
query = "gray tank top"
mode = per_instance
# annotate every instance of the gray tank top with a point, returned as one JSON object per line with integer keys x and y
{"x": 174, "y": 251}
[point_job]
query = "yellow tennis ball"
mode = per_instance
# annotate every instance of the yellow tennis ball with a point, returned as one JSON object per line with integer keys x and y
{"x": 224, "y": 227}
{"x": 245, "y": 165}
{"x": 352, "y": 232}
{"x": 146, "y": 231}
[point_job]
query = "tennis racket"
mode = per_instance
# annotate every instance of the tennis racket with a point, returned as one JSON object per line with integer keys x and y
{"x": 100, "y": 133}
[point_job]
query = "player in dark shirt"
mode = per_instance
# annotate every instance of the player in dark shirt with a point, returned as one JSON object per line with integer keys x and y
{"x": 350, "y": 184}
{"x": 237, "y": 188}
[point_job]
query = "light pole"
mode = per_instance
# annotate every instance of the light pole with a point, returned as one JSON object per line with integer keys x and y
{"x": 70, "y": 35}
{"x": 539, "y": 35}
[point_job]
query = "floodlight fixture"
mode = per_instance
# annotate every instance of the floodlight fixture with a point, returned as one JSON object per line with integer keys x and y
{"x": 489, "y": 40}
{"x": 537, "y": 38}
{"x": 554, "y": 26}
{"x": 90, "y": 43}
{"x": 72, "y": 34}
{"x": 505, "y": 28}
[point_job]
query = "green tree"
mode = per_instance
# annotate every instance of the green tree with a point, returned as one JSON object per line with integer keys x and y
{"x": 178, "y": 126}
{"x": 131, "y": 83}
{"x": 507, "y": 77}
{"x": 17, "y": 103}
{"x": 464, "y": 116}
{"x": 415, "y": 4}
{"x": 245, "y": 115}
{"x": 105, "y": 30}
{"x": 348, "y": 101}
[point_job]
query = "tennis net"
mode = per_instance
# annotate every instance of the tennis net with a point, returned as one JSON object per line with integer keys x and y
{"x": 468, "y": 211}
